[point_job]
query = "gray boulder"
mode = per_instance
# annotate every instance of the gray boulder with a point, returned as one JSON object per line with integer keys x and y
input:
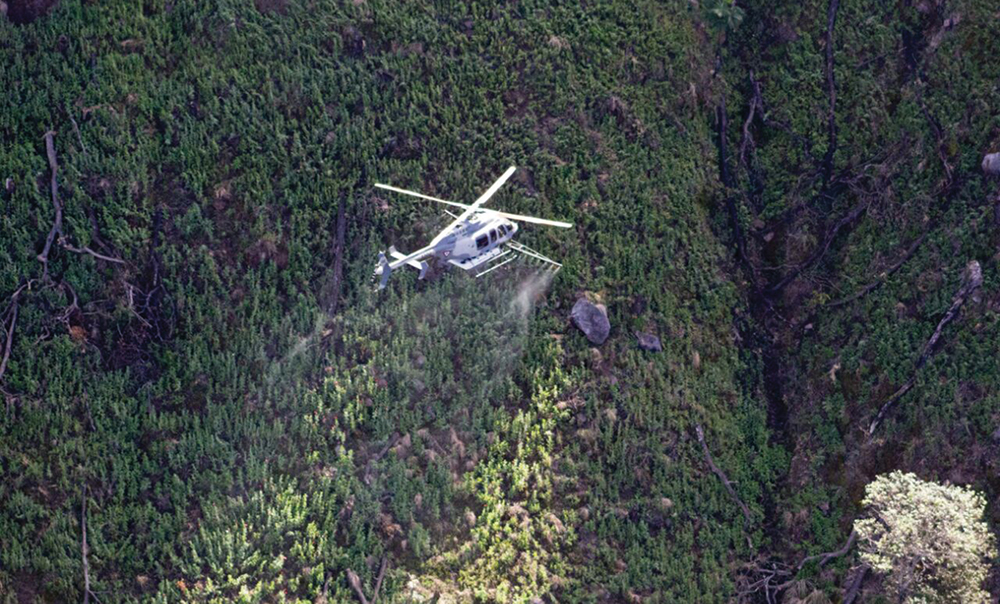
{"x": 991, "y": 164}
{"x": 592, "y": 320}
{"x": 648, "y": 341}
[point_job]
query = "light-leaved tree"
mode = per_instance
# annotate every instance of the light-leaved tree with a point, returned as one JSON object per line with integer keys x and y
{"x": 928, "y": 540}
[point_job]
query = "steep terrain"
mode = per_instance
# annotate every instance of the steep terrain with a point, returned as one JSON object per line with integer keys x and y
{"x": 207, "y": 401}
{"x": 244, "y": 417}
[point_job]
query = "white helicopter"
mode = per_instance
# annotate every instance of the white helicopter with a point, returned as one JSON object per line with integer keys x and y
{"x": 474, "y": 241}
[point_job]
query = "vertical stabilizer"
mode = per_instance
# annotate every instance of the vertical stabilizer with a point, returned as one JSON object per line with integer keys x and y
{"x": 383, "y": 269}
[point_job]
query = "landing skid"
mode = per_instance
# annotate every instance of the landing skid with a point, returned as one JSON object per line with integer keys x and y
{"x": 482, "y": 259}
{"x": 495, "y": 267}
{"x": 527, "y": 251}
{"x": 490, "y": 261}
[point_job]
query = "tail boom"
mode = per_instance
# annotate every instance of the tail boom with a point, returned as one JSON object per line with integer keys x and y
{"x": 384, "y": 268}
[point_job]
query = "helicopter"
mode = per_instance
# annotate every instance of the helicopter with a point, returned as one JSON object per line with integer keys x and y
{"x": 478, "y": 239}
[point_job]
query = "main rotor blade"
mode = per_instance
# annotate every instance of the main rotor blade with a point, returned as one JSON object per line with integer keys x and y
{"x": 493, "y": 189}
{"x": 518, "y": 217}
{"x": 475, "y": 206}
{"x": 421, "y": 196}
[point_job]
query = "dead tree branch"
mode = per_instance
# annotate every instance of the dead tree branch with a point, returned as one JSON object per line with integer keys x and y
{"x": 54, "y": 232}
{"x": 855, "y": 585}
{"x": 760, "y": 577}
{"x": 827, "y": 556}
{"x": 86, "y": 250}
{"x": 831, "y": 86}
{"x": 378, "y": 580}
{"x": 79, "y": 137}
{"x": 10, "y": 336}
{"x": 84, "y": 550}
{"x": 338, "y": 262}
{"x": 11, "y": 311}
{"x": 50, "y": 151}
{"x": 764, "y": 577}
{"x": 755, "y": 103}
{"x": 821, "y": 250}
{"x": 971, "y": 280}
{"x": 722, "y": 475}
{"x": 883, "y": 277}
{"x": 74, "y": 305}
{"x": 355, "y": 583}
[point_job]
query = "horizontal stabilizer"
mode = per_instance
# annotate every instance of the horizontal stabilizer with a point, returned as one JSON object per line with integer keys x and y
{"x": 417, "y": 264}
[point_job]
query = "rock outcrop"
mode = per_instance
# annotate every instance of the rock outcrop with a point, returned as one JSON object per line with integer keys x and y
{"x": 592, "y": 320}
{"x": 648, "y": 341}
{"x": 991, "y": 164}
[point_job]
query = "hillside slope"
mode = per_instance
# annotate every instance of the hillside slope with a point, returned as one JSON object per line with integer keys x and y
{"x": 201, "y": 374}
{"x": 245, "y": 419}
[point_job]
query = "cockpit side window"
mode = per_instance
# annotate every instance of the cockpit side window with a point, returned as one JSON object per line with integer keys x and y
{"x": 493, "y": 235}
{"x": 482, "y": 242}
{"x": 503, "y": 230}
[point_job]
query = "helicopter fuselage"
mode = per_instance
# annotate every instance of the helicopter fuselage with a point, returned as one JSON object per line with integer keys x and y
{"x": 468, "y": 245}
{"x": 476, "y": 238}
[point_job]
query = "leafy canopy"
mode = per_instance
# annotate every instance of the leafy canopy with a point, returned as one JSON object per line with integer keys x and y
{"x": 929, "y": 540}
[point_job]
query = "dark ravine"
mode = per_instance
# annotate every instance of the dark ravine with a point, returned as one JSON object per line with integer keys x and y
{"x": 757, "y": 333}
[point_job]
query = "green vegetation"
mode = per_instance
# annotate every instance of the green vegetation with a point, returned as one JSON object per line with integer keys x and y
{"x": 929, "y": 539}
{"x": 246, "y": 424}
